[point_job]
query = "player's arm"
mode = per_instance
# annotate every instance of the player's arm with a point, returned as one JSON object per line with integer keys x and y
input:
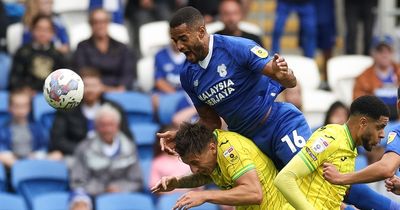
{"x": 170, "y": 183}
{"x": 286, "y": 182}
{"x": 278, "y": 70}
{"x": 383, "y": 169}
{"x": 247, "y": 191}
{"x": 209, "y": 117}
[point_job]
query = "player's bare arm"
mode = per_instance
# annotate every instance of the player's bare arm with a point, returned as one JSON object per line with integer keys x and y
{"x": 279, "y": 70}
{"x": 169, "y": 183}
{"x": 247, "y": 191}
{"x": 384, "y": 168}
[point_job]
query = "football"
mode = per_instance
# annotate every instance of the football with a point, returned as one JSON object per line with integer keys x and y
{"x": 63, "y": 89}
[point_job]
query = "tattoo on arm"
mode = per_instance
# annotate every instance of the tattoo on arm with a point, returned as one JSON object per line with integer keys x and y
{"x": 193, "y": 181}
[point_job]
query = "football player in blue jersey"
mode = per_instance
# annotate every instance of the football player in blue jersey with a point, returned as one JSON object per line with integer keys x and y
{"x": 236, "y": 79}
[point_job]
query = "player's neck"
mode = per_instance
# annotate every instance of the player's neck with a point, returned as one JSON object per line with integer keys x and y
{"x": 206, "y": 46}
{"x": 353, "y": 126}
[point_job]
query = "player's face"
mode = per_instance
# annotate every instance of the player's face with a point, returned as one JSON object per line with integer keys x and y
{"x": 188, "y": 41}
{"x": 373, "y": 132}
{"x": 203, "y": 163}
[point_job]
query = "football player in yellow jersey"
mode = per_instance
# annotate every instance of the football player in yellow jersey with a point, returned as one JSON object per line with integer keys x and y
{"x": 234, "y": 163}
{"x": 301, "y": 180}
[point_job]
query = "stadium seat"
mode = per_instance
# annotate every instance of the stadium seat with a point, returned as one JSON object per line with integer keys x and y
{"x": 42, "y": 111}
{"x": 342, "y": 71}
{"x": 62, "y": 6}
{"x": 124, "y": 201}
{"x": 145, "y": 167}
{"x": 51, "y": 201}
{"x": 168, "y": 201}
{"x": 11, "y": 202}
{"x": 3, "y": 178}
{"x": 153, "y": 36}
{"x": 145, "y": 73}
{"x": 305, "y": 69}
{"x": 137, "y": 106}
{"x": 214, "y": 27}
{"x": 31, "y": 178}
{"x": 243, "y": 25}
{"x": 145, "y": 135}
{"x": 14, "y": 37}
{"x": 167, "y": 106}
{"x": 4, "y": 115}
{"x": 80, "y": 32}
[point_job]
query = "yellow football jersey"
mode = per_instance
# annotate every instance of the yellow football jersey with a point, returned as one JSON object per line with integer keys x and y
{"x": 333, "y": 144}
{"x": 237, "y": 155}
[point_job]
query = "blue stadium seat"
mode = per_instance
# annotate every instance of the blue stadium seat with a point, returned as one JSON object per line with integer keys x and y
{"x": 168, "y": 201}
{"x": 11, "y": 202}
{"x": 42, "y": 111}
{"x": 51, "y": 201}
{"x": 4, "y": 115}
{"x": 145, "y": 167}
{"x": 167, "y": 106}
{"x": 124, "y": 201}
{"x": 31, "y": 178}
{"x": 145, "y": 135}
{"x": 3, "y": 178}
{"x": 138, "y": 106}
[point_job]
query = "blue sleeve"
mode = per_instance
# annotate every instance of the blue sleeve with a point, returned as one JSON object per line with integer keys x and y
{"x": 159, "y": 73}
{"x": 189, "y": 88}
{"x": 249, "y": 54}
{"x": 393, "y": 143}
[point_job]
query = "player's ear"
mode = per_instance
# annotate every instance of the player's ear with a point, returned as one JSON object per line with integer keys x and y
{"x": 202, "y": 31}
{"x": 212, "y": 146}
{"x": 363, "y": 121}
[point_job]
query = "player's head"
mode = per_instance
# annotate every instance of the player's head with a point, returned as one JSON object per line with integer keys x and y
{"x": 230, "y": 13}
{"x": 197, "y": 147}
{"x": 189, "y": 34}
{"x": 93, "y": 86}
{"x": 370, "y": 116}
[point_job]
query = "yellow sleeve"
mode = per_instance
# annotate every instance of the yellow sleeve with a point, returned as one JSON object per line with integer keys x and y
{"x": 235, "y": 157}
{"x": 318, "y": 148}
{"x": 286, "y": 182}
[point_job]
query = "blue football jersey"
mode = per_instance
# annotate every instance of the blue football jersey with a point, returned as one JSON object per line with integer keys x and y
{"x": 393, "y": 141}
{"x": 230, "y": 80}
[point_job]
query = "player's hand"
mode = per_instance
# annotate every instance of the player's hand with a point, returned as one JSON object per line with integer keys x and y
{"x": 165, "y": 184}
{"x": 331, "y": 174}
{"x": 279, "y": 64}
{"x": 190, "y": 199}
{"x": 393, "y": 185}
{"x": 167, "y": 142}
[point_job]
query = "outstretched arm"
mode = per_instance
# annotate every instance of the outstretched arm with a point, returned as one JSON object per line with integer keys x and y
{"x": 170, "y": 183}
{"x": 383, "y": 169}
{"x": 286, "y": 182}
{"x": 278, "y": 70}
{"x": 247, "y": 191}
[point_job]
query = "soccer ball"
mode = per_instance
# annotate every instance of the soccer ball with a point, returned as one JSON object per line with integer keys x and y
{"x": 63, "y": 89}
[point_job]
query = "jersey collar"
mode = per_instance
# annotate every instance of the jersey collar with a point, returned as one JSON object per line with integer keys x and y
{"x": 349, "y": 137}
{"x": 204, "y": 63}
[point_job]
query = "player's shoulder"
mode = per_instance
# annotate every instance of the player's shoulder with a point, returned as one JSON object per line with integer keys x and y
{"x": 394, "y": 135}
{"x": 331, "y": 130}
{"x": 227, "y": 139}
{"x": 233, "y": 42}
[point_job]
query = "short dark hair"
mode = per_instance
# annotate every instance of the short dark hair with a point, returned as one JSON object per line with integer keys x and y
{"x": 189, "y": 15}
{"x": 40, "y": 17}
{"x": 370, "y": 106}
{"x": 192, "y": 139}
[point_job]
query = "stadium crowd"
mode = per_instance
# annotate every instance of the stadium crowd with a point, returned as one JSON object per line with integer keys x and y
{"x": 107, "y": 146}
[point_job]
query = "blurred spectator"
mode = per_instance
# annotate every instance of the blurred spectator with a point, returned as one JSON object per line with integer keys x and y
{"x": 72, "y": 126}
{"x": 208, "y": 8}
{"x": 168, "y": 63}
{"x": 308, "y": 24}
{"x": 231, "y": 13}
{"x": 33, "y": 62}
{"x": 326, "y": 34}
{"x": 382, "y": 78}
{"x": 113, "y": 59}
{"x": 21, "y": 138}
{"x": 161, "y": 159}
{"x": 139, "y": 12}
{"x": 45, "y": 7}
{"x": 107, "y": 162}
{"x": 338, "y": 113}
{"x": 79, "y": 200}
{"x": 114, "y": 7}
{"x": 357, "y": 11}
{"x": 5, "y": 60}
{"x": 293, "y": 96}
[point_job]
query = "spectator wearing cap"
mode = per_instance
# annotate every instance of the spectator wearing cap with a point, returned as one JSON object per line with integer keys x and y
{"x": 382, "y": 78}
{"x": 79, "y": 200}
